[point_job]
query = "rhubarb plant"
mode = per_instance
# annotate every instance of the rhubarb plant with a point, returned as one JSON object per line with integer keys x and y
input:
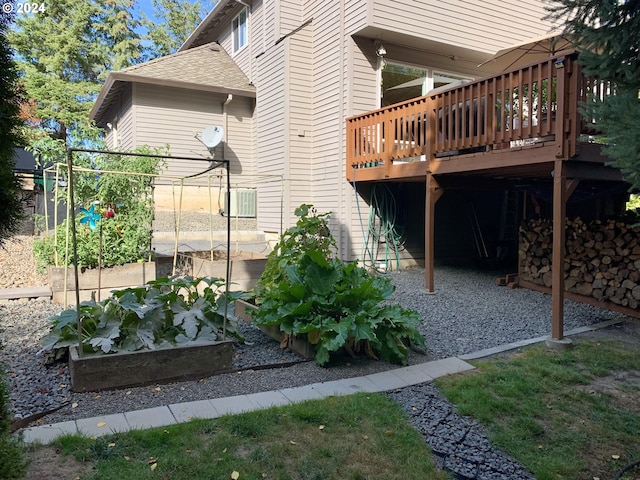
{"x": 164, "y": 313}
{"x": 339, "y": 305}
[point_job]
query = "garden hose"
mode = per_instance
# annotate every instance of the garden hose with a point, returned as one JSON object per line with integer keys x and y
{"x": 366, "y": 254}
{"x": 383, "y": 230}
{"x": 626, "y": 469}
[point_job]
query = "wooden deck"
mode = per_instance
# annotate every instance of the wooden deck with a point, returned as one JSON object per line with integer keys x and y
{"x": 517, "y": 123}
{"x": 492, "y": 132}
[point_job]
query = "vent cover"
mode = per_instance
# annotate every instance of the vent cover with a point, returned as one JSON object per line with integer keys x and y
{"x": 243, "y": 203}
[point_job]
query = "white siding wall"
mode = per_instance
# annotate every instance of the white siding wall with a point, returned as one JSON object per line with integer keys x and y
{"x": 328, "y": 89}
{"x": 300, "y": 117}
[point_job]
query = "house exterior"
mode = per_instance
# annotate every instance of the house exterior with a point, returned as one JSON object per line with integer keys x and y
{"x": 169, "y": 102}
{"x": 306, "y": 66}
{"x": 356, "y": 104}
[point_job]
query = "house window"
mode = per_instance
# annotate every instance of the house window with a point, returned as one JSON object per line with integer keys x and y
{"x": 240, "y": 30}
{"x": 403, "y": 82}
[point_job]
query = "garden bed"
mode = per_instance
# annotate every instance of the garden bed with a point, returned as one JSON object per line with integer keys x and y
{"x": 245, "y": 267}
{"x": 297, "y": 344}
{"x": 97, "y": 371}
{"x": 110, "y": 278}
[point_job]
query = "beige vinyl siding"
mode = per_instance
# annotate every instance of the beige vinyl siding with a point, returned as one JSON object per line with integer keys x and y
{"x": 125, "y": 124}
{"x": 356, "y": 15}
{"x": 270, "y": 136}
{"x": 483, "y": 25}
{"x": 289, "y": 17}
{"x": 300, "y": 117}
{"x": 328, "y": 98}
{"x": 172, "y": 116}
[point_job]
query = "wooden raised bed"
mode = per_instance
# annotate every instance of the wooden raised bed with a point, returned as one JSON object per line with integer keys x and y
{"x": 297, "y": 344}
{"x": 245, "y": 267}
{"x": 97, "y": 371}
{"x": 111, "y": 278}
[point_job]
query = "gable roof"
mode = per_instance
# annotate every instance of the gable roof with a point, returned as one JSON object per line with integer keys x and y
{"x": 207, "y": 68}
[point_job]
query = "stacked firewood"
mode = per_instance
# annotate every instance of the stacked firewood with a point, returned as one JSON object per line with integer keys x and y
{"x": 602, "y": 258}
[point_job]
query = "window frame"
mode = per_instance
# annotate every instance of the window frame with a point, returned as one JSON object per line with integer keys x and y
{"x": 430, "y": 74}
{"x": 240, "y": 30}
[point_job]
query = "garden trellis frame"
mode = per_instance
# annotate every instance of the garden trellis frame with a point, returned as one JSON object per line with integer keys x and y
{"x": 72, "y": 217}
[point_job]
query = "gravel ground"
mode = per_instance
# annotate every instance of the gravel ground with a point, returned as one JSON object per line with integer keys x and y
{"x": 468, "y": 313}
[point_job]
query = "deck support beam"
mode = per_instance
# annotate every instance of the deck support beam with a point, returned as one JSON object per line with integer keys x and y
{"x": 433, "y": 192}
{"x": 562, "y": 190}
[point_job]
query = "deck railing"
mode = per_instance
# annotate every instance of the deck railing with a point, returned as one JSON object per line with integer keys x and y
{"x": 535, "y": 103}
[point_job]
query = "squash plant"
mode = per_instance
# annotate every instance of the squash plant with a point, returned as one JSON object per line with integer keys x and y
{"x": 164, "y": 313}
{"x": 339, "y": 305}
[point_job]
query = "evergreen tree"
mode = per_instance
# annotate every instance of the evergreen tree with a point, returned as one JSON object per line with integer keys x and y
{"x": 175, "y": 21}
{"x": 11, "y": 211}
{"x": 607, "y": 33}
{"x": 78, "y": 43}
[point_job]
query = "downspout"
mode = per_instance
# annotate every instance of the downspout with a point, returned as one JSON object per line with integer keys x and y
{"x": 225, "y": 122}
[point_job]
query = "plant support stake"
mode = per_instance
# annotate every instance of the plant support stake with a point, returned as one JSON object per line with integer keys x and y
{"x": 75, "y": 247}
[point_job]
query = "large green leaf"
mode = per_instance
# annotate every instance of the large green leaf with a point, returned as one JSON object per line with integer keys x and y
{"x": 362, "y": 330}
{"x": 336, "y": 335}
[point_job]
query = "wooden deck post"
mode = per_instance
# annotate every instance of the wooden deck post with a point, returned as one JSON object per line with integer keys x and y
{"x": 433, "y": 193}
{"x": 557, "y": 262}
{"x": 562, "y": 190}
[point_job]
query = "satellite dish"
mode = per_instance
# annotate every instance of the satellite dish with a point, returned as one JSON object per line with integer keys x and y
{"x": 212, "y": 136}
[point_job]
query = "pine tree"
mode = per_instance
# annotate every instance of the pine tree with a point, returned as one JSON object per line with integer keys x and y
{"x": 79, "y": 42}
{"x": 607, "y": 33}
{"x": 11, "y": 211}
{"x": 178, "y": 19}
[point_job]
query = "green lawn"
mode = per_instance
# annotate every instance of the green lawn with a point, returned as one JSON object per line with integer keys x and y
{"x": 571, "y": 415}
{"x": 568, "y": 415}
{"x": 343, "y": 438}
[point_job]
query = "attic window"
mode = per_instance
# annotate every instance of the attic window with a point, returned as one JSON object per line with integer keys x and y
{"x": 239, "y": 27}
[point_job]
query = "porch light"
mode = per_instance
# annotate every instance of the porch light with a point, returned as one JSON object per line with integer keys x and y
{"x": 559, "y": 63}
{"x": 381, "y": 51}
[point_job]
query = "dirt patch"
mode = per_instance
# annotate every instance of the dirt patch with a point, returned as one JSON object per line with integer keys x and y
{"x": 622, "y": 387}
{"x": 626, "y": 334}
{"x": 48, "y": 464}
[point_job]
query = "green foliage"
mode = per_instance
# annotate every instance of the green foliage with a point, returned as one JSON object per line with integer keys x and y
{"x": 606, "y": 33}
{"x": 79, "y": 41}
{"x": 310, "y": 231}
{"x": 11, "y": 211}
{"x": 178, "y": 19}
{"x": 127, "y": 236}
{"x": 338, "y": 305}
{"x": 164, "y": 313}
{"x": 335, "y": 304}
